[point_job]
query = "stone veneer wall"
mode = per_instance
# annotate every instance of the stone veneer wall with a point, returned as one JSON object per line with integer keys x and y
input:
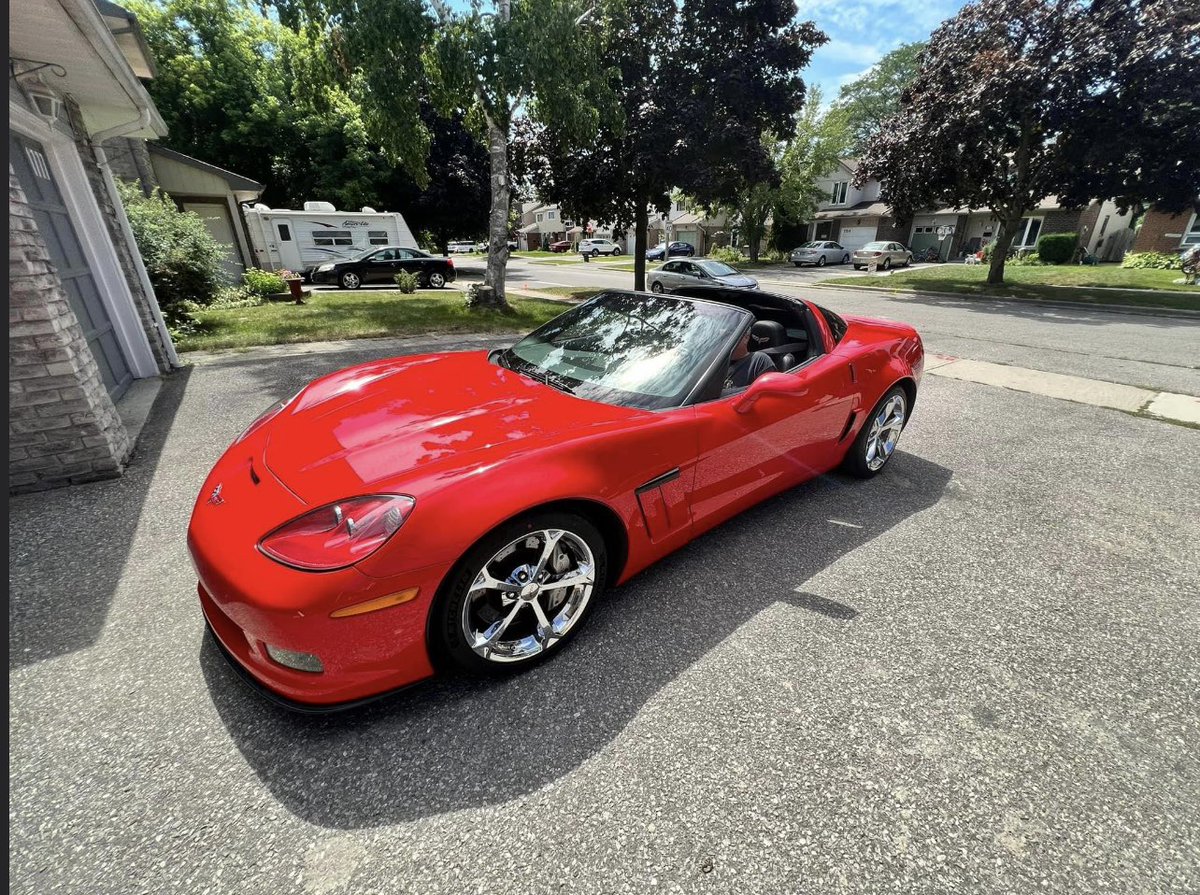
{"x": 124, "y": 256}
{"x": 62, "y": 426}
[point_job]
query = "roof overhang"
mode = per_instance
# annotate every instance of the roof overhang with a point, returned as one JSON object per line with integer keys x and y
{"x": 861, "y": 210}
{"x": 72, "y": 37}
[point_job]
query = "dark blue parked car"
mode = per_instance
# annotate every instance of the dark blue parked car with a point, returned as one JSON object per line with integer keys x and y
{"x": 677, "y": 248}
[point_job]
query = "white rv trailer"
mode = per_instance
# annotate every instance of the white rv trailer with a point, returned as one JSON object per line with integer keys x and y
{"x": 301, "y": 240}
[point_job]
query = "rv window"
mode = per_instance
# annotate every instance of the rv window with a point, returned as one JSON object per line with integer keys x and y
{"x": 377, "y": 237}
{"x": 333, "y": 238}
{"x": 285, "y": 234}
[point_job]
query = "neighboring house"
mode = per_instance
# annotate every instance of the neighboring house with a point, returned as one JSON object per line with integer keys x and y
{"x": 854, "y": 216}
{"x": 693, "y": 225}
{"x": 1163, "y": 231}
{"x": 84, "y": 324}
{"x": 543, "y": 224}
{"x": 216, "y": 196}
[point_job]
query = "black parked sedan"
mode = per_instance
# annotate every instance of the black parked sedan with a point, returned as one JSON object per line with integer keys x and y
{"x": 382, "y": 265}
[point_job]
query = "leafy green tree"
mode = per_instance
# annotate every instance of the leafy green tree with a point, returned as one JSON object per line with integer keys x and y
{"x": 296, "y": 128}
{"x": 1020, "y": 99}
{"x": 686, "y": 118}
{"x": 181, "y": 256}
{"x": 868, "y": 101}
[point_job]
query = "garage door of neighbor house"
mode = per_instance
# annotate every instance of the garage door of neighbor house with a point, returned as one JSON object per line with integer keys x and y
{"x": 216, "y": 220}
{"x": 50, "y": 211}
{"x": 853, "y": 238}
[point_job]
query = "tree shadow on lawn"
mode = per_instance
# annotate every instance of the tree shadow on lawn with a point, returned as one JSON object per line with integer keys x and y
{"x": 455, "y": 742}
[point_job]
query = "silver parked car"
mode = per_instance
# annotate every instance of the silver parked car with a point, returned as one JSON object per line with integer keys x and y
{"x": 698, "y": 272}
{"x": 885, "y": 254}
{"x": 820, "y": 253}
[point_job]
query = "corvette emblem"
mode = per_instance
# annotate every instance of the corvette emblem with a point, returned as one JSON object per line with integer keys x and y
{"x": 215, "y": 498}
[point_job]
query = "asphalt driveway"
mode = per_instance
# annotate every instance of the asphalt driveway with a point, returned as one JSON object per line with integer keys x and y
{"x": 976, "y": 673}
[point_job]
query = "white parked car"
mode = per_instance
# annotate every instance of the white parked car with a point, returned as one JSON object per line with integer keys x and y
{"x": 698, "y": 272}
{"x": 820, "y": 253}
{"x": 460, "y": 248}
{"x": 594, "y": 247}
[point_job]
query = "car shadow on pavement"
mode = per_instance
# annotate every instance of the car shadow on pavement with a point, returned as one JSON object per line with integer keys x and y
{"x": 1064, "y": 312}
{"x": 455, "y": 743}
{"x": 68, "y": 547}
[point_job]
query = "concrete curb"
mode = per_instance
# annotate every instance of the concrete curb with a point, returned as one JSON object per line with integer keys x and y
{"x": 1169, "y": 406}
{"x": 1181, "y": 313}
{"x": 385, "y": 345}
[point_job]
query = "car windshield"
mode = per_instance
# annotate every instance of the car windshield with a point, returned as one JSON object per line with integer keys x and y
{"x": 633, "y": 350}
{"x": 716, "y": 268}
{"x": 876, "y": 246}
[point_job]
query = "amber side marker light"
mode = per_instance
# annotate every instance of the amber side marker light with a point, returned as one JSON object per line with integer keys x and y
{"x": 404, "y": 596}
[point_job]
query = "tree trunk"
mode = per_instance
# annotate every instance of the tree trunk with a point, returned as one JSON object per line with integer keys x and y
{"x": 641, "y": 224}
{"x": 498, "y": 218}
{"x": 995, "y": 275}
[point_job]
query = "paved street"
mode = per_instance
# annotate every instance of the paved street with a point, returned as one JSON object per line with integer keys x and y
{"x": 979, "y": 672}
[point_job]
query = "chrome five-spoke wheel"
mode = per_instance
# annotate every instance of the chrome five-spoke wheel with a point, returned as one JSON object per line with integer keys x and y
{"x": 885, "y": 432}
{"x": 522, "y": 592}
{"x": 876, "y": 441}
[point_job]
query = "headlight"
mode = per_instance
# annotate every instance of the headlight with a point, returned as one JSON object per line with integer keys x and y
{"x": 325, "y": 267}
{"x": 338, "y": 535}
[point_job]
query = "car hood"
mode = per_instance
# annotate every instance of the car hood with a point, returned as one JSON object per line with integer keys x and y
{"x": 739, "y": 281}
{"x": 425, "y": 418}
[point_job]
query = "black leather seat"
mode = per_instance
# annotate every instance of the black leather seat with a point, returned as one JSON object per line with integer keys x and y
{"x": 771, "y": 338}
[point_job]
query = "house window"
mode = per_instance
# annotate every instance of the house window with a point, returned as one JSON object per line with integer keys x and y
{"x": 1192, "y": 236}
{"x": 333, "y": 238}
{"x": 551, "y": 215}
{"x": 1027, "y": 233}
{"x": 1104, "y": 226}
{"x": 539, "y": 217}
{"x": 285, "y": 233}
{"x": 377, "y": 237}
{"x": 840, "y": 189}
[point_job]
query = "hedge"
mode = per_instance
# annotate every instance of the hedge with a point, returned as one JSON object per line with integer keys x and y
{"x": 1056, "y": 248}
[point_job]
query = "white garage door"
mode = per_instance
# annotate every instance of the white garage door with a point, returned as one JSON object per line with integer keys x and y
{"x": 856, "y": 237}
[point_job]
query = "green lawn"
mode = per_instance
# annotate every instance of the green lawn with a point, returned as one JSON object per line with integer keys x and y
{"x": 327, "y": 316}
{"x": 579, "y": 293}
{"x": 1105, "y": 284}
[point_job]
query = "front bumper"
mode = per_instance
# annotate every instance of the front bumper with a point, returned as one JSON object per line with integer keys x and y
{"x": 324, "y": 277}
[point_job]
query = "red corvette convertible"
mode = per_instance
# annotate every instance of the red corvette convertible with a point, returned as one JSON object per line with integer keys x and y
{"x": 468, "y": 510}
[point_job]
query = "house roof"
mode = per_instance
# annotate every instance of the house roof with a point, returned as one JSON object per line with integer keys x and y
{"x": 236, "y": 181}
{"x": 100, "y": 67}
{"x": 865, "y": 209}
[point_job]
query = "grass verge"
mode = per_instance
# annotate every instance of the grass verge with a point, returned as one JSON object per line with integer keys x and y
{"x": 1107, "y": 285}
{"x": 579, "y": 293}
{"x": 329, "y": 316}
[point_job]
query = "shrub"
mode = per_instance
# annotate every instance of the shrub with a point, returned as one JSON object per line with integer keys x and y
{"x": 1153, "y": 260}
{"x": 236, "y": 297}
{"x": 406, "y": 281}
{"x": 1032, "y": 259}
{"x": 1056, "y": 248}
{"x": 726, "y": 255}
{"x": 181, "y": 256}
{"x": 263, "y": 282}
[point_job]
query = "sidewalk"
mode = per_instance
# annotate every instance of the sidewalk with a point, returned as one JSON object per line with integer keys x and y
{"x": 1175, "y": 408}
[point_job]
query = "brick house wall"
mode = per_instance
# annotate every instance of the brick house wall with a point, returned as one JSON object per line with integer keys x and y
{"x": 1059, "y": 220}
{"x": 99, "y": 188}
{"x": 893, "y": 230}
{"x": 62, "y": 426}
{"x": 129, "y": 159}
{"x": 1152, "y": 237}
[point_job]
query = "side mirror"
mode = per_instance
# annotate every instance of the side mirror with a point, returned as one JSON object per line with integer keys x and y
{"x": 782, "y": 384}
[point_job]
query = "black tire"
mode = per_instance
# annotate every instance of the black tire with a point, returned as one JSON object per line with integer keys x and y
{"x": 595, "y": 253}
{"x": 656, "y": 287}
{"x": 797, "y": 263}
{"x": 616, "y": 252}
{"x": 350, "y": 280}
{"x": 821, "y": 261}
{"x": 909, "y": 262}
{"x": 887, "y": 263}
{"x": 846, "y": 260}
{"x": 856, "y": 267}
{"x": 437, "y": 280}
{"x": 855, "y": 461}
{"x": 448, "y": 640}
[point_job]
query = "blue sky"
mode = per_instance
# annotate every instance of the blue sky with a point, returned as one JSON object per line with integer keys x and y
{"x": 861, "y": 32}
